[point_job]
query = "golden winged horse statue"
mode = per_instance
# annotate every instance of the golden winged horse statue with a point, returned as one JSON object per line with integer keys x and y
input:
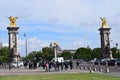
{"x": 12, "y": 21}
{"x": 104, "y": 22}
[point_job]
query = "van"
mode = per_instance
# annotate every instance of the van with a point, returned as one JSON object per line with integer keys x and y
{"x": 17, "y": 64}
{"x": 59, "y": 59}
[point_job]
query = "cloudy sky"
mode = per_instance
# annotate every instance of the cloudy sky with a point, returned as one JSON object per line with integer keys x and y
{"x": 72, "y": 23}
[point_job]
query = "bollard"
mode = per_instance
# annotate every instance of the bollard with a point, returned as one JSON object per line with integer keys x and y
{"x": 91, "y": 71}
{"x": 94, "y": 69}
{"x": 100, "y": 69}
{"x": 106, "y": 63}
{"x": 107, "y": 70}
{"x": 98, "y": 63}
{"x": 85, "y": 67}
{"x": 81, "y": 67}
{"x": 116, "y": 64}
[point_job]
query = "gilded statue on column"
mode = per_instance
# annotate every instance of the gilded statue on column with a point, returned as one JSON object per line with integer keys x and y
{"x": 55, "y": 44}
{"x": 104, "y": 22}
{"x": 12, "y": 21}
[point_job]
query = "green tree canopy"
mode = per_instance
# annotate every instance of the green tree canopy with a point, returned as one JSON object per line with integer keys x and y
{"x": 83, "y": 53}
{"x": 31, "y": 55}
{"x": 115, "y": 52}
{"x": 46, "y": 54}
{"x": 4, "y": 54}
{"x": 66, "y": 55}
{"x": 96, "y": 53}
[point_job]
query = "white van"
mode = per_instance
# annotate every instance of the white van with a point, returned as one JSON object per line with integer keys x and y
{"x": 59, "y": 59}
{"x": 15, "y": 64}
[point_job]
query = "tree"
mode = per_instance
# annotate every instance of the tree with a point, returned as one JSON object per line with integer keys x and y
{"x": 66, "y": 55}
{"x": 83, "y": 53}
{"x": 31, "y": 55}
{"x": 48, "y": 53}
{"x": 4, "y": 53}
{"x": 96, "y": 53}
{"x": 115, "y": 52}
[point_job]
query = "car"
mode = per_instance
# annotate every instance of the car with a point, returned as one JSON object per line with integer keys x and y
{"x": 104, "y": 61}
{"x": 93, "y": 60}
{"x": 108, "y": 61}
{"x": 112, "y": 62}
{"x": 59, "y": 59}
{"x": 97, "y": 61}
{"x": 17, "y": 64}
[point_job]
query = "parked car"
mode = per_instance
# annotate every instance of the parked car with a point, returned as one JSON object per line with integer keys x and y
{"x": 104, "y": 61}
{"x": 118, "y": 62}
{"x": 109, "y": 62}
{"x": 97, "y": 61}
{"x": 59, "y": 59}
{"x": 17, "y": 64}
{"x": 112, "y": 62}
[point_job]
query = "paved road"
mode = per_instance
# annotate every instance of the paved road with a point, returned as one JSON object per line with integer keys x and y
{"x": 22, "y": 71}
{"x": 36, "y": 71}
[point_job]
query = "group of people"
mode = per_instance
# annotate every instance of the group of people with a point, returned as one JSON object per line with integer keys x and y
{"x": 59, "y": 66}
{"x": 50, "y": 66}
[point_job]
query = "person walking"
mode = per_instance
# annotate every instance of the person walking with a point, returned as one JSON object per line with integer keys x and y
{"x": 71, "y": 65}
{"x": 77, "y": 64}
{"x": 46, "y": 66}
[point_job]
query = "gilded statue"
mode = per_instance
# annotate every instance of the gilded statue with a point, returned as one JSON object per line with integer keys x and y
{"x": 55, "y": 44}
{"x": 12, "y": 21}
{"x": 104, "y": 22}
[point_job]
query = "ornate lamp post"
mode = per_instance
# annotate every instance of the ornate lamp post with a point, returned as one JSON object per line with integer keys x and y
{"x": 55, "y": 49}
{"x": 25, "y": 45}
{"x": 116, "y": 48}
{"x": 116, "y": 45}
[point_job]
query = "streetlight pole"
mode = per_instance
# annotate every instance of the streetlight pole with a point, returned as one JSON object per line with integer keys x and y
{"x": 25, "y": 45}
{"x": 116, "y": 45}
{"x": 55, "y": 50}
{"x": 116, "y": 48}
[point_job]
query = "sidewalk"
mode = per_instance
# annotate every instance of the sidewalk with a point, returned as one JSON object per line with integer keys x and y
{"x": 12, "y": 72}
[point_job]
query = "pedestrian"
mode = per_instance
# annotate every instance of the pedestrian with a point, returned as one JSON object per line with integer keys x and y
{"x": 46, "y": 66}
{"x": 71, "y": 65}
{"x": 35, "y": 65}
{"x": 77, "y": 64}
{"x": 66, "y": 65}
{"x": 61, "y": 66}
{"x": 57, "y": 63}
{"x": 50, "y": 65}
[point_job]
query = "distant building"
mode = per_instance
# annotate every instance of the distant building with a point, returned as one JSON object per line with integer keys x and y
{"x": 51, "y": 45}
{"x": 70, "y": 50}
{"x": 59, "y": 50}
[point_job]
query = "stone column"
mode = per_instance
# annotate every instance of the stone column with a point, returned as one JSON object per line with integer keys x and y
{"x": 105, "y": 42}
{"x": 55, "y": 52}
{"x": 13, "y": 52}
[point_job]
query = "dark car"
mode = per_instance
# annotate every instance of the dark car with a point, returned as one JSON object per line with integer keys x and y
{"x": 97, "y": 62}
{"x": 118, "y": 62}
{"x": 104, "y": 61}
{"x": 112, "y": 62}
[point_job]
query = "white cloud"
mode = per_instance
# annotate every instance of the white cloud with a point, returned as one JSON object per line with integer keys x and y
{"x": 33, "y": 44}
{"x": 5, "y": 44}
{"x": 79, "y": 43}
{"x": 67, "y": 21}
{"x": 68, "y": 12}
